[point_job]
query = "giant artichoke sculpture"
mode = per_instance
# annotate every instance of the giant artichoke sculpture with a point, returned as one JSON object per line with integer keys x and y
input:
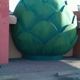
{"x": 45, "y": 29}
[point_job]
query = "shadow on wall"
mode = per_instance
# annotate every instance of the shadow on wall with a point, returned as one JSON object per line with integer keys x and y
{"x": 13, "y": 52}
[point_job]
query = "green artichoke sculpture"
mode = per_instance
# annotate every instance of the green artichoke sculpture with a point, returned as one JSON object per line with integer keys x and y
{"x": 45, "y": 29}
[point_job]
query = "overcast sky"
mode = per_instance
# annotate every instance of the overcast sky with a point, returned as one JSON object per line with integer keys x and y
{"x": 12, "y": 4}
{"x": 72, "y": 4}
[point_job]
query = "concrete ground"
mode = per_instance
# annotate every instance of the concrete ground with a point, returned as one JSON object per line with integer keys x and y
{"x": 22, "y": 69}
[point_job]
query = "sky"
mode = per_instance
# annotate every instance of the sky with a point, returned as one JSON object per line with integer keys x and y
{"x": 72, "y": 3}
{"x": 12, "y": 4}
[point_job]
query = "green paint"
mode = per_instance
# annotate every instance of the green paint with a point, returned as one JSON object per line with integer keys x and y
{"x": 46, "y": 29}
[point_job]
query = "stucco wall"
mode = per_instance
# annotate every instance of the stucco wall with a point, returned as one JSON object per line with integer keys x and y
{"x": 13, "y": 52}
{"x": 4, "y": 31}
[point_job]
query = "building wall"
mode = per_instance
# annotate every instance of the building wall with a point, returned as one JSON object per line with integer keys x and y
{"x": 13, "y": 52}
{"x": 4, "y": 31}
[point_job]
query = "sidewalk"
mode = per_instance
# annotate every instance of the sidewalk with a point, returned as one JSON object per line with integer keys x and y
{"x": 22, "y": 69}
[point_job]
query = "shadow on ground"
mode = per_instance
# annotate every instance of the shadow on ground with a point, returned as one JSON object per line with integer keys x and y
{"x": 67, "y": 78}
{"x": 21, "y": 66}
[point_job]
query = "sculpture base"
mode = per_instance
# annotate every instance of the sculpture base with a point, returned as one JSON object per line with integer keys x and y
{"x": 38, "y": 58}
